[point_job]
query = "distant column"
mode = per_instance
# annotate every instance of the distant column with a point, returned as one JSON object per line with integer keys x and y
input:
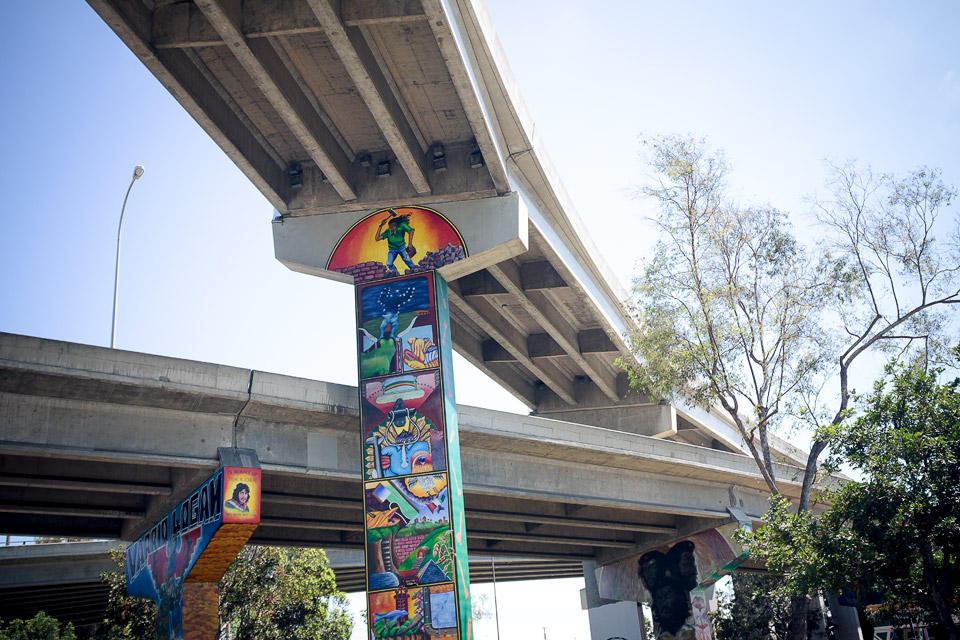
{"x": 179, "y": 562}
{"x": 610, "y": 618}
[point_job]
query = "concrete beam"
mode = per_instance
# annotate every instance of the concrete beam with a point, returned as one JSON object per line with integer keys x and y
{"x": 633, "y": 413}
{"x": 496, "y": 326}
{"x": 470, "y": 347}
{"x": 552, "y": 540}
{"x": 540, "y": 274}
{"x": 83, "y": 511}
{"x": 459, "y": 182}
{"x": 596, "y": 341}
{"x": 355, "y": 13}
{"x": 566, "y": 521}
{"x": 542, "y": 345}
{"x": 79, "y": 484}
{"x": 268, "y": 72}
{"x": 182, "y": 25}
{"x": 49, "y": 564}
{"x": 480, "y": 283}
{"x": 543, "y": 310}
{"x": 132, "y": 23}
{"x": 440, "y": 24}
{"x": 372, "y": 85}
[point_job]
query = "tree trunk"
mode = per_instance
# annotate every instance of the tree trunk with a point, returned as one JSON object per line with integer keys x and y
{"x": 394, "y": 560}
{"x": 377, "y": 557}
{"x": 797, "y": 627}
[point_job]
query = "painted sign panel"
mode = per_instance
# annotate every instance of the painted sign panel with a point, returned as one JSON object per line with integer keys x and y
{"x": 194, "y": 543}
{"x": 397, "y": 326}
{"x": 419, "y": 238}
{"x": 416, "y": 555}
{"x": 342, "y": 246}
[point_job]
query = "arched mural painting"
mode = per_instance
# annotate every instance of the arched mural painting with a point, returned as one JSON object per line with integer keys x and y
{"x": 397, "y": 240}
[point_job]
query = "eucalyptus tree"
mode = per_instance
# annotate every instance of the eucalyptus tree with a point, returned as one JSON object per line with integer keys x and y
{"x": 727, "y": 303}
{"x": 892, "y": 284}
{"x": 733, "y": 312}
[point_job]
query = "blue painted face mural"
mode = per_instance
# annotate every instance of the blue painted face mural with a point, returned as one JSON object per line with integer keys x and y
{"x": 401, "y": 460}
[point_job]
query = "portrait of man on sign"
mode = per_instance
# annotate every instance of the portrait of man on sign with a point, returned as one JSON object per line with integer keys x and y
{"x": 240, "y": 499}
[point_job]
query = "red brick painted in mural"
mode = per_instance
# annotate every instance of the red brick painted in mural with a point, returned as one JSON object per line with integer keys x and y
{"x": 405, "y": 546}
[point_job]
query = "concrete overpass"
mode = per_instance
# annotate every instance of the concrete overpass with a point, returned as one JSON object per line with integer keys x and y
{"x": 351, "y": 105}
{"x": 98, "y": 442}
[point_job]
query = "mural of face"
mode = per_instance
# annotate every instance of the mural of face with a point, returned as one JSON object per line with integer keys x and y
{"x": 404, "y": 459}
{"x": 669, "y": 578}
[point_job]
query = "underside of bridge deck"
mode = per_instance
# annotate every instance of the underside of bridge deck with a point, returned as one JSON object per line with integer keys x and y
{"x": 352, "y": 105}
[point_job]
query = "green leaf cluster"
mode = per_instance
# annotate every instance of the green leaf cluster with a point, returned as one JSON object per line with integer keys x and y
{"x": 39, "y": 627}
{"x": 894, "y": 538}
{"x": 756, "y": 610}
{"x": 126, "y": 617}
{"x": 271, "y": 593}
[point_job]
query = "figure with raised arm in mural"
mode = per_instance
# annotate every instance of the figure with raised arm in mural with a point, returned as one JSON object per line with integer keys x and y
{"x": 398, "y": 226}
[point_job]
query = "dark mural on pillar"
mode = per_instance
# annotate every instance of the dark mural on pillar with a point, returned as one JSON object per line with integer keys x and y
{"x": 416, "y": 557}
{"x": 670, "y": 577}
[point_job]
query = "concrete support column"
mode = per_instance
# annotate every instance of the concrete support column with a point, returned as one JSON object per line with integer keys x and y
{"x": 846, "y": 622}
{"x": 610, "y": 619}
{"x": 418, "y": 581}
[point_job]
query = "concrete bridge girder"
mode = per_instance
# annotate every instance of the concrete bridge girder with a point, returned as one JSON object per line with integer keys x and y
{"x": 309, "y": 98}
{"x": 74, "y": 437}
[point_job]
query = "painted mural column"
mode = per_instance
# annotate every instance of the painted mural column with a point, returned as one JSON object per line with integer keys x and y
{"x": 416, "y": 552}
{"x": 179, "y": 562}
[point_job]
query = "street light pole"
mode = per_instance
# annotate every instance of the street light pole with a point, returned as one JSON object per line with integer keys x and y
{"x": 137, "y": 172}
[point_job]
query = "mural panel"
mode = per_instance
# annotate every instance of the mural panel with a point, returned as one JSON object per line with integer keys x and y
{"x": 413, "y": 239}
{"x": 397, "y": 326}
{"x": 409, "y": 538}
{"x": 426, "y": 612}
{"x": 402, "y": 425}
{"x": 194, "y": 543}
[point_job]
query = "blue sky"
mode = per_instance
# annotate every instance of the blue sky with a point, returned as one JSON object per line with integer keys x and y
{"x": 780, "y": 86}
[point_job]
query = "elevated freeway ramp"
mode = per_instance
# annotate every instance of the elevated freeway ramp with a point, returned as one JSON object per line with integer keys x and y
{"x": 98, "y": 442}
{"x": 347, "y": 107}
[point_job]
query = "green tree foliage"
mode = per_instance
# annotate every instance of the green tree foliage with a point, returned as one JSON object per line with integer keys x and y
{"x": 271, "y": 593}
{"x": 39, "y": 627}
{"x": 268, "y": 593}
{"x": 891, "y": 283}
{"x": 126, "y": 617}
{"x": 896, "y": 535}
{"x": 726, "y": 304}
{"x": 732, "y": 313}
{"x": 755, "y": 611}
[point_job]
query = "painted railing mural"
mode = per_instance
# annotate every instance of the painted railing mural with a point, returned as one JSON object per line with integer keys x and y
{"x": 416, "y": 553}
{"x": 180, "y": 560}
